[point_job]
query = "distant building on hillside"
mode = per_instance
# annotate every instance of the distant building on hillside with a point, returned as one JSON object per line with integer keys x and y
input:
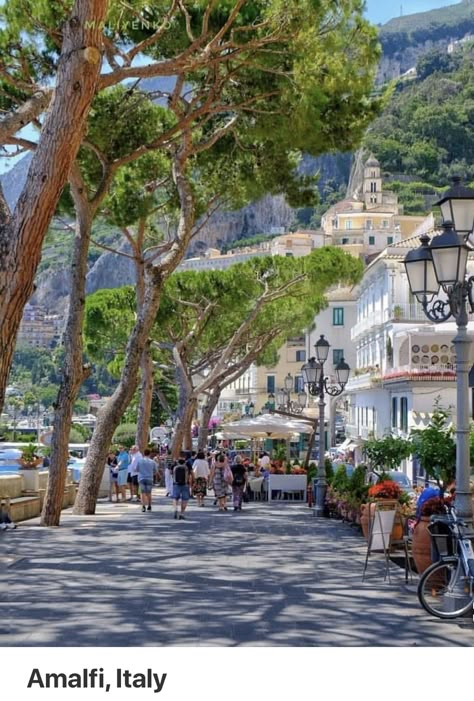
{"x": 38, "y": 328}
{"x": 371, "y": 219}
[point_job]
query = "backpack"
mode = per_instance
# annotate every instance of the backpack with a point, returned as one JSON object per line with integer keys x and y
{"x": 180, "y": 475}
{"x": 238, "y": 479}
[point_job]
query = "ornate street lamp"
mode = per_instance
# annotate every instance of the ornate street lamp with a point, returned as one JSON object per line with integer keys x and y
{"x": 318, "y": 385}
{"x": 284, "y": 400}
{"x": 457, "y": 206}
{"x": 447, "y": 255}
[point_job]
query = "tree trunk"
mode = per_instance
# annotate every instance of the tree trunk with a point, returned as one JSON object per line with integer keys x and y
{"x": 73, "y": 372}
{"x": 207, "y": 412}
{"x": 182, "y": 436}
{"x": 146, "y": 398}
{"x": 22, "y": 234}
{"x": 110, "y": 415}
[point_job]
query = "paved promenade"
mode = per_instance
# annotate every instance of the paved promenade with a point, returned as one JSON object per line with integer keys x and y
{"x": 271, "y": 575}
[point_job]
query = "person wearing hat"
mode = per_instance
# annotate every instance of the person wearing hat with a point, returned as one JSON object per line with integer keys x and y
{"x": 239, "y": 483}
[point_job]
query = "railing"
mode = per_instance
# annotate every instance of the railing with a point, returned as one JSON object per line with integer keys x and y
{"x": 373, "y": 319}
{"x": 405, "y": 312}
{"x": 352, "y": 431}
{"x": 367, "y": 379}
{"x": 421, "y": 373}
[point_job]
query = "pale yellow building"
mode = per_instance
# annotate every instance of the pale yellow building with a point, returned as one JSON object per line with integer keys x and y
{"x": 371, "y": 220}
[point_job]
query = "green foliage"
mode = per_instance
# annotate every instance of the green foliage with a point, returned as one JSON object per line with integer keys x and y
{"x": 425, "y": 131}
{"x": 340, "y": 482}
{"x": 436, "y": 448}
{"x": 387, "y": 453}
{"x": 329, "y": 471}
{"x": 125, "y": 435}
{"x": 250, "y": 241}
{"x": 76, "y": 435}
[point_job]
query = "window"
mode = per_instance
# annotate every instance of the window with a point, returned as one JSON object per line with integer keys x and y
{"x": 338, "y": 316}
{"x": 373, "y": 187}
{"x": 394, "y": 412}
{"x": 270, "y": 384}
{"x": 299, "y": 384}
{"x": 345, "y": 241}
{"x": 384, "y": 223}
{"x": 368, "y": 224}
{"x": 348, "y": 224}
{"x": 301, "y": 356}
{"x": 404, "y": 414}
{"x": 289, "y": 254}
{"x": 371, "y": 240}
{"x": 389, "y": 240}
{"x": 337, "y": 355}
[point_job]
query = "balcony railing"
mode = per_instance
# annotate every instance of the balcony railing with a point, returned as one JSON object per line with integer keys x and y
{"x": 403, "y": 313}
{"x": 367, "y": 379}
{"x": 421, "y": 373}
{"x": 375, "y": 318}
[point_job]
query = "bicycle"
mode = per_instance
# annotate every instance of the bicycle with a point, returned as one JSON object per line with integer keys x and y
{"x": 446, "y": 588}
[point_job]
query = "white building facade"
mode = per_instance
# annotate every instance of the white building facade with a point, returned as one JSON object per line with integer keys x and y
{"x": 404, "y": 363}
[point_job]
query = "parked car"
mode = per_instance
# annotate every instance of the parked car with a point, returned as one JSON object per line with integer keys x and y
{"x": 402, "y": 480}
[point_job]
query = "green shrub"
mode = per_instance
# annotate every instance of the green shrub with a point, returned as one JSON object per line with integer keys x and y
{"x": 125, "y": 435}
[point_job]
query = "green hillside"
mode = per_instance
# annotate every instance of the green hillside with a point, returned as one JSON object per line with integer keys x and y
{"x": 425, "y": 133}
{"x": 445, "y": 23}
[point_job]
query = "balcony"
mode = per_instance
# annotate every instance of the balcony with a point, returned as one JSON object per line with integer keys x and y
{"x": 366, "y": 378}
{"x": 395, "y": 313}
{"x": 352, "y": 431}
{"x": 420, "y": 373}
{"x": 366, "y": 324}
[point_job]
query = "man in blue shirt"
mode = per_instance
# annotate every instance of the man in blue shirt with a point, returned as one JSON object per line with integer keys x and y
{"x": 146, "y": 468}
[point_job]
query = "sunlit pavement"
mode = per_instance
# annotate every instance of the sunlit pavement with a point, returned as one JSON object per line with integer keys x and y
{"x": 270, "y": 575}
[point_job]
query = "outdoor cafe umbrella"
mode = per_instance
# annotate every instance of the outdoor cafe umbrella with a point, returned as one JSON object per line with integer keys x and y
{"x": 267, "y": 426}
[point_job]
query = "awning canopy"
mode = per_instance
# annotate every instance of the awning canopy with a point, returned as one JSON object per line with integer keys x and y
{"x": 267, "y": 426}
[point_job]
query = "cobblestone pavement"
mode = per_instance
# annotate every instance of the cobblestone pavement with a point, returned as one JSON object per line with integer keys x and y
{"x": 270, "y": 575}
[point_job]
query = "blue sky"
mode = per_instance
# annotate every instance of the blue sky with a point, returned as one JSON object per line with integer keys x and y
{"x": 380, "y": 11}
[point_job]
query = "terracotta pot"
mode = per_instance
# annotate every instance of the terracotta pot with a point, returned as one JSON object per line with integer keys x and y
{"x": 421, "y": 548}
{"x": 366, "y": 513}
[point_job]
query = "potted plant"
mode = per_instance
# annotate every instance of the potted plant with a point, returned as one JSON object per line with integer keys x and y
{"x": 421, "y": 546}
{"x": 384, "y": 490}
{"x": 29, "y": 458}
{"x": 29, "y": 462}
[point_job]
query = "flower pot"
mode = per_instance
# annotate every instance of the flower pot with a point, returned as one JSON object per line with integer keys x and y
{"x": 421, "y": 548}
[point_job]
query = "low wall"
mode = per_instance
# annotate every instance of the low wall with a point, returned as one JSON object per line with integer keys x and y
{"x": 11, "y": 486}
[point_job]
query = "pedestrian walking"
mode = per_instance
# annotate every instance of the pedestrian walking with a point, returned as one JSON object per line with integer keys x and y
{"x": 182, "y": 480}
{"x": 169, "y": 477}
{"x": 239, "y": 482}
{"x": 146, "y": 469}
{"x": 218, "y": 481}
{"x": 200, "y": 477}
{"x": 113, "y": 472}
{"x": 123, "y": 461}
{"x": 132, "y": 477}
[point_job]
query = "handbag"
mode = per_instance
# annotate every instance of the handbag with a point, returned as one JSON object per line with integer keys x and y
{"x": 228, "y": 476}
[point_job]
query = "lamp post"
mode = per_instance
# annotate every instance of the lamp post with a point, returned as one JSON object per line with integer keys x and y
{"x": 318, "y": 385}
{"x": 284, "y": 401}
{"x": 440, "y": 264}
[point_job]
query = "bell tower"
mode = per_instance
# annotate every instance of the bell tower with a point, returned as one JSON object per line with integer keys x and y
{"x": 372, "y": 183}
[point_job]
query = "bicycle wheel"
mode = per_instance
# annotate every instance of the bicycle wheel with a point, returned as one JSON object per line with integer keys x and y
{"x": 442, "y": 589}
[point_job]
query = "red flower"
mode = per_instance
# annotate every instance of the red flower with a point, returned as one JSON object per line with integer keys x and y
{"x": 387, "y": 489}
